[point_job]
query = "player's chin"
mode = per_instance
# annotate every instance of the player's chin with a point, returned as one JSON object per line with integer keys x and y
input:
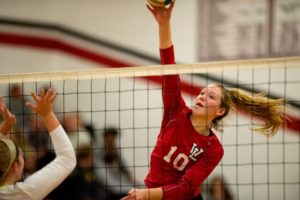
{"x": 198, "y": 111}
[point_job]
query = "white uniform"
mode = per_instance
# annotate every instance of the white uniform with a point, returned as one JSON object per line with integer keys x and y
{"x": 41, "y": 183}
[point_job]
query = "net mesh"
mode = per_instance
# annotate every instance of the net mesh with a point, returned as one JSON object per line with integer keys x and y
{"x": 127, "y": 101}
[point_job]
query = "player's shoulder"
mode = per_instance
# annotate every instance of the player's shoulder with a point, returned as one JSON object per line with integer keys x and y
{"x": 215, "y": 141}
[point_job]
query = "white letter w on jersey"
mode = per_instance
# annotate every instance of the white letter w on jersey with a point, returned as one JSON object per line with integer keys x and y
{"x": 195, "y": 151}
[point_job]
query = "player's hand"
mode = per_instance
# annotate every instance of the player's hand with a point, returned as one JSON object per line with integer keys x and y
{"x": 43, "y": 102}
{"x": 136, "y": 194}
{"x": 8, "y": 117}
{"x": 9, "y": 120}
{"x": 161, "y": 14}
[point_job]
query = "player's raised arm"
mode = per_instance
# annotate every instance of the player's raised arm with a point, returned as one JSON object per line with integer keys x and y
{"x": 162, "y": 16}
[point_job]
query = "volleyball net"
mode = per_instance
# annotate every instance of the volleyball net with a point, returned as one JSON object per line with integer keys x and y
{"x": 128, "y": 100}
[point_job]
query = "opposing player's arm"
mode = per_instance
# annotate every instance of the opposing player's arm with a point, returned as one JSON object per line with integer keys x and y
{"x": 64, "y": 163}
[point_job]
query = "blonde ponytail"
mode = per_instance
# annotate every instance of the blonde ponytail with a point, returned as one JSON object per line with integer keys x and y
{"x": 270, "y": 111}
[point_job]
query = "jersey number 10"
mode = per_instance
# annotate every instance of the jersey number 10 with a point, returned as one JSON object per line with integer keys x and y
{"x": 195, "y": 151}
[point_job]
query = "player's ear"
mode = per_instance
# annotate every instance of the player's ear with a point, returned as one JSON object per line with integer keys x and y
{"x": 14, "y": 167}
{"x": 220, "y": 111}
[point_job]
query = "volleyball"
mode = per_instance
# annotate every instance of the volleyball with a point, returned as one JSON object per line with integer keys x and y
{"x": 160, "y": 2}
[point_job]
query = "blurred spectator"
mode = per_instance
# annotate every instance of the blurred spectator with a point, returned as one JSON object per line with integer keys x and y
{"x": 40, "y": 141}
{"x": 79, "y": 135}
{"x": 17, "y": 105}
{"x": 83, "y": 179}
{"x": 218, "y": 189}
{"x": 110, "y": 166}
{"x": 82, "y": 183}
{"x": 30, "y": 157}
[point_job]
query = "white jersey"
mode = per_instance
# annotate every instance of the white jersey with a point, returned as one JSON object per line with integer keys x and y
{"x": 41, "y": 183}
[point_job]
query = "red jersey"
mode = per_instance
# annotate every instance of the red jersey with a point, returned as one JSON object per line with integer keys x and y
{"x": 182, "y": 158}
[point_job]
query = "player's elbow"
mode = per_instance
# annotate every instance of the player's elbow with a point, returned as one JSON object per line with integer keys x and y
{"x": 70, "y": 161}
{"x": 73, "y": 161}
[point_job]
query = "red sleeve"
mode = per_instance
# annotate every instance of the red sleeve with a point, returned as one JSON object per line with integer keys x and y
{"x": 190, "y": 183}
{"x": 171, "y": 93}
{"x": 167, "y": 56}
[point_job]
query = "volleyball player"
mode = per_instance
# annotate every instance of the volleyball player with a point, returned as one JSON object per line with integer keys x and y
{"x": 42, "y": 182}
{"x": 187, "y": 149}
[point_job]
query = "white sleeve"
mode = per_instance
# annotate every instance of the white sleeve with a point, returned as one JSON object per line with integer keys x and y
{"x": 42, "y": 182}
